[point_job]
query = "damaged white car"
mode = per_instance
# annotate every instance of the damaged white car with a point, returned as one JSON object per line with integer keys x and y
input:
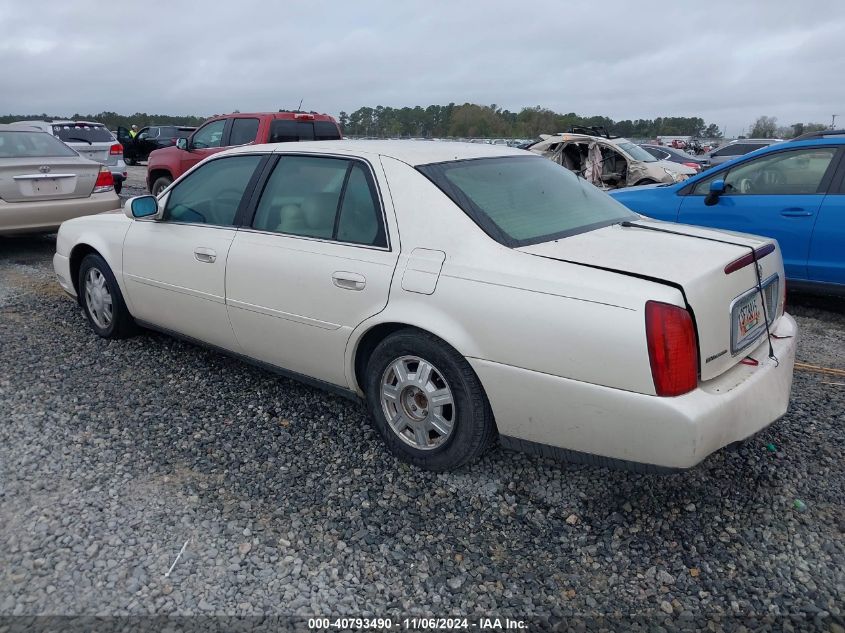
{"x": 464, "y": 291}
{"x": 608, "y": 162}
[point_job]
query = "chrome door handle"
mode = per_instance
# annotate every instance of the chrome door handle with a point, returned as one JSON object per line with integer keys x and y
{"x": 205, "y": 255}
{"x": 349, "y": 281}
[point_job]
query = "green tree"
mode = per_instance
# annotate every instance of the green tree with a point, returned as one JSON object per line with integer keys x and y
{"x": 765, "y": 127}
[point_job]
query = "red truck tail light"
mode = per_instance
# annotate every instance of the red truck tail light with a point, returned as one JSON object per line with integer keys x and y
{"x": 105, "y": 181}
{"x": 303, "y": 116}
{"x": 117, "y": 148}
{"x": 672, "y": 348}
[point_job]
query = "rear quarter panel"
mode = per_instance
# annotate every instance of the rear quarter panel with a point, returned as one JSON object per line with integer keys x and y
{"x": 505, "y": 306}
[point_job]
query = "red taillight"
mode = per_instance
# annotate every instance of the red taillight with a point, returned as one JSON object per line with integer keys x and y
{"x": 117, "y": 148}
{"x": 105, "y": 181}
{"x": 304, "y": 116}
{"x": 747, "y": 260}
{"x": 672, "y": 348}
{"x": 695, "y": 166}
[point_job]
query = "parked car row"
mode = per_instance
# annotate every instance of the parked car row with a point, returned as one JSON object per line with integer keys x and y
{"x": 90, "y": 140}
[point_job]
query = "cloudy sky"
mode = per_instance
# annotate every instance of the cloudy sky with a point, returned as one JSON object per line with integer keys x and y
{"x": 727, "y": 62}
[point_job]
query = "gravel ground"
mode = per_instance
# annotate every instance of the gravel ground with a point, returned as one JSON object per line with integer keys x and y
{"x": 114, "y": 454}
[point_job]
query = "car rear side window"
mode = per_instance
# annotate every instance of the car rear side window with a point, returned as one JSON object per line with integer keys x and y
{"x": 289, "y": 130}
{"x": 32, "y": 145}
{"x": 212, "y": 193}
{"x": 325, "y": 198}
{"x": 82, "y": 133}
{"x": 524, "y": 200}
{"x": 243, "y": 131}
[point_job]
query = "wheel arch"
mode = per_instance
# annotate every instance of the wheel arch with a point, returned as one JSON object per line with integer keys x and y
{"x": 156, "y": 173}
{"x": 368, "y": 335}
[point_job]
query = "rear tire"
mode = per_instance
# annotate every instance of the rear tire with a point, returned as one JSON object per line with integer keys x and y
{"x": 101, "y": 299}
{"x": 161, "y": 183}
{"x": 129, "y": 161}
{"x": 118, "y": 187}
{"x": 440, "y": 418}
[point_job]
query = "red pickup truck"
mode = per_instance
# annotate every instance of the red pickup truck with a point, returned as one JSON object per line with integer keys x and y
{"x": 227, "y": 130}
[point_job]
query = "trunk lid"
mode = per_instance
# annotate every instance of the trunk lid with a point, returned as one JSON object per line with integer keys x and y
{"x": 726, "y": 308}
{"x": 46, "y": 178}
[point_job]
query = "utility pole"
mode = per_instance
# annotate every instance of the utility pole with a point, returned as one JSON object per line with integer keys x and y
{"x": 833, "y": 121}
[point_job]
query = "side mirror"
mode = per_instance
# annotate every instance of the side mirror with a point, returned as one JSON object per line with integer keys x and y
{"x": 182, "y": 143}
{"x": 141, "y": 207}
{"x": 717, "y": 188}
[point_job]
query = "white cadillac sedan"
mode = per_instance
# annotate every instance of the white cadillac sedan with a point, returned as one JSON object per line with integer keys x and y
{"x": 464, "y": 291}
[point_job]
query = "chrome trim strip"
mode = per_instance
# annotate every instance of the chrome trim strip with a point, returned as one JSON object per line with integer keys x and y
{"x": 173, "y": 288}
{"x": 287, "y": 316}
{"x": 42, "y": 176}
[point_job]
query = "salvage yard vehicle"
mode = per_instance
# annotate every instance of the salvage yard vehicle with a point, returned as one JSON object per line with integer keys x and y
{"x": 609, "y": 162}
{"x": 218, "y": 133}
{"x": 463, "y": 290}
{"x": 43, "y": 182}
{"x": 739, "y": 147}
{"x": 149, "y": 139}
{"x": 90, "y": 139}
{"x": 663, "y": 152}
{"x": 793, "y": 192}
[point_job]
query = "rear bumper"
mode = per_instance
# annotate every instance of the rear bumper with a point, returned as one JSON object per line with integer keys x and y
{"x": 46, "y": 216}
{"x": 665, "y": 433}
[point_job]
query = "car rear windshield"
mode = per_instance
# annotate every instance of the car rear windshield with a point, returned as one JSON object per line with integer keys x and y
{"x": 82, "y": 133}
{"x": 285, "y": 131}
{"x": 31, "y": 145}
{"x": 522, "y": 200}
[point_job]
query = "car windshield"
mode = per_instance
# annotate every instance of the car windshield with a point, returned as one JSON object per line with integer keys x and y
{"x": 522, "y": 200}
{"x": 32, "y": 145}
{"x": 636, "y": 152}
{"x": 82, "y": 133}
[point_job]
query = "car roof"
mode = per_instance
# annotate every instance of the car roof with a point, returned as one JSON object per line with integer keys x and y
{"x": 19, "y": 127}
{"x": 411, "y": 152}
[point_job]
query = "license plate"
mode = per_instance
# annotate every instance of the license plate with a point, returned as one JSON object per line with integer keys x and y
{"x": 46, "y": 185}
{"x": 748, "y": 316}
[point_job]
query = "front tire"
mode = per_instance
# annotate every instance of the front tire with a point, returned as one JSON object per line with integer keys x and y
{"x": 161, "y": 183}
{"x": 101, "y": 299}
{"x": 427, "y": 403}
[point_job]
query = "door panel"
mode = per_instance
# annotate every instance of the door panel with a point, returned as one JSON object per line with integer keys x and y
{"x": 171, "y": 282}
{"x": 293, "y": 302}
{"x": 774, "y": 195}
{"x": 175, "y": 269}
{"x": 294, "y": 290}
{"x": 827, "y": 249}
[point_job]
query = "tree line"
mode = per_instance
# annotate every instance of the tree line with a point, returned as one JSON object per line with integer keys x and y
{"x": 473, "y": 120}
{"x": 113, "y": 120}
{"x": 470, "y": 120}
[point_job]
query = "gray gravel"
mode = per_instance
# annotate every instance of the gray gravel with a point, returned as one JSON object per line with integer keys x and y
{"x": 114, "y": 454}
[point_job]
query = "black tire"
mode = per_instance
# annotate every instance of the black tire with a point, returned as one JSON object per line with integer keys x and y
{"x": 118, "y": 186}
{"x": 161, "y": 183}
{"x": 474, "y": 427}
{"x": 129, "y": 161}
{"x": 121, "y": 324}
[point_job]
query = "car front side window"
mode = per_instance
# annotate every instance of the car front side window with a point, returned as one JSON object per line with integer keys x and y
{"x": 209, "y": 135}
{"x": 212, "y": 193}
{"x": 783, "y": 173}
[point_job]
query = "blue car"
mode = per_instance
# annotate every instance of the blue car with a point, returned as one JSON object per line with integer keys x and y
{"x": 793, "y": 192}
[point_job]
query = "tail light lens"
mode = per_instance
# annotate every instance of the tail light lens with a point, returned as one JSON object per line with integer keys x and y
{"x": 105, "y": 181}
{"x": 115, "y": 149}
{"x": 672, "y": 348}
{"x": 695, "y": 166}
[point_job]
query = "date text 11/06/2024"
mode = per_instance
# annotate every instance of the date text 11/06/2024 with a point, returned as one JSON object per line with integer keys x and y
{"x": 415, "y": 624}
